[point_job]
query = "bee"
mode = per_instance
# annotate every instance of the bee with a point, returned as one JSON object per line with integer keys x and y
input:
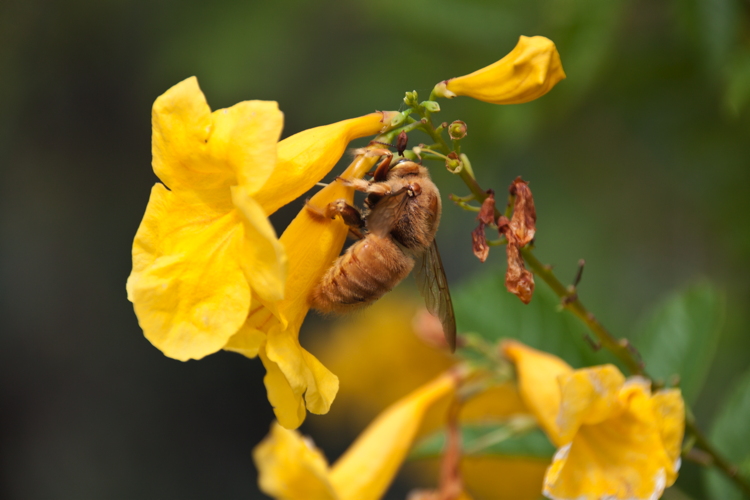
{"x": 396, "y": 234}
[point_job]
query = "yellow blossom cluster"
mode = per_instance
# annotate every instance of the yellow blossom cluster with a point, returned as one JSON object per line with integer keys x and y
{"x": 209, "y": 271}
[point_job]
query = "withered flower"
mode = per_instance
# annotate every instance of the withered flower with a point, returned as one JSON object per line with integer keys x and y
{"x": 519, "y": 232}
{"x": 486, "y": 217}
{"x": 523, "y": 222}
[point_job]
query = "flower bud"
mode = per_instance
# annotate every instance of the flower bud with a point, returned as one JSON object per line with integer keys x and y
{"x": 529, "y": 71}
{"x": 453, "y": 163}
{"x": 457, "y": 130}
{"x": 411, "y": 99}
{"x": 431, "y": 106}
{"x": 397, "y": 120}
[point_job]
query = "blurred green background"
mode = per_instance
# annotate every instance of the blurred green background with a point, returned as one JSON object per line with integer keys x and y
{"x": 639, "y": 163}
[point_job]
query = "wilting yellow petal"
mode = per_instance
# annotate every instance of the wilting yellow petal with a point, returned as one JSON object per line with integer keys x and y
{"x": 306, "y": 157}
{"x": 291, "y": 468}
{"x": 589, "y": 396}
{"x": 368, "y": 466}
{"x": 187, "y": 284}
{"x": 528, "y": 72}
{"x": 622, "y": 457}
{"x": 263, "y": 258}
{"x": 537, "y": 382}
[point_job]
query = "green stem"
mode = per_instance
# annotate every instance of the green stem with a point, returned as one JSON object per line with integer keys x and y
{"x": 619, "y": 347}
{"x": 730, "y": 470}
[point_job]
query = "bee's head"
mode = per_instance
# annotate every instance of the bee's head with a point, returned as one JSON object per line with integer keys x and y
{"x": 407, "y": 168}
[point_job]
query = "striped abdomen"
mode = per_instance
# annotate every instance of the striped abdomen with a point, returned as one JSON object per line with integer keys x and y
{"x": 369, "y": 269}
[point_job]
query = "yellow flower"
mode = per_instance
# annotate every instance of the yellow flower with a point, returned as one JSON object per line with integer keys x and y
{"x": 379, "y": 359}
{"x": 528, "y": 72}
{"x": 291, "y": 468}
{"x": 204, "y": 243}
{"x": 616, "y": 439}
{"x": 207, "y": 265}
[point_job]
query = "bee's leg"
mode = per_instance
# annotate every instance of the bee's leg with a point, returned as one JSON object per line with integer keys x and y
{"x": 349, "y": 214}
{"x": 376, "y": 188}
{"x": 382, "y": 169}
{"x": 355, "y": 233}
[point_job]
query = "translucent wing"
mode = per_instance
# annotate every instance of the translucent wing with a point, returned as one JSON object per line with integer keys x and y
{"x": 434, "y": 288}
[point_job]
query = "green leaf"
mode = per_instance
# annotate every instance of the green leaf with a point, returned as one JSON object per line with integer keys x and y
{"x": 483, "y": 306}
{"x": 680, "y": 337}
{"x": 730, "y": 433}
{"x": 530, "y": 444}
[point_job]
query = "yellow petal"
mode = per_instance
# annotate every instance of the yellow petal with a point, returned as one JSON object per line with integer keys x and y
{"x": 669, "y": 411}
{"x": 303, "y": 372}
{"x": 181, "y": 123}
{"x": 622, "y": 457}
{"x": 305, "y": 158}
{"x": 203, "y": 153}
{"x": 589, "y": 396}
{"x": 537, "y": 382}
{"x": 287, "y": 405}
{"x": 247, "y": 341}
{"x": 497, "y": 402}
{"x": 528, "y": 72}
{"x": 245, "y": 136}
{"x": 368, "y": 466}
{"x": 291, "y": 468}
{"x": 187, "y": 283}
{"x": 263, "y": 257}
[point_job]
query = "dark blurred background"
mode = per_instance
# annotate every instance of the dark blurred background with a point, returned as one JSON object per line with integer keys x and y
{"x": 638, "y": 163}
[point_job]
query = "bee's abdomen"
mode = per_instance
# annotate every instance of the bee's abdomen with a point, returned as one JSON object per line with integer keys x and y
{"x": 368, "y": 270}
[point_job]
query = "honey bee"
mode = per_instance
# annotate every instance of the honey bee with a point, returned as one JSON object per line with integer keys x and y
{"x": 396, "y": 233}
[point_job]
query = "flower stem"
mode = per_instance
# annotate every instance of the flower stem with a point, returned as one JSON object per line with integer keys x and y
{"x": 730, "y": 470}
{"x": 621, "y": 348}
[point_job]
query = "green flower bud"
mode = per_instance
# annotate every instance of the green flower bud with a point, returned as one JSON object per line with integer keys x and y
{"x": 430, "y": 106}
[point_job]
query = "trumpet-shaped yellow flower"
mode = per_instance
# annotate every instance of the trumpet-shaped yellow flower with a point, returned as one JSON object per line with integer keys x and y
{"x": 205, "y": 244}
{"x": 616, "y": 439}
{"x": 290, "y": 468}
{"x": 528, "y": 72}
{"x": 208, "y": 270}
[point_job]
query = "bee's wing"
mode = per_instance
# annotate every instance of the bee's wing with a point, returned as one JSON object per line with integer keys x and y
{"x": 434, "y": 287}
